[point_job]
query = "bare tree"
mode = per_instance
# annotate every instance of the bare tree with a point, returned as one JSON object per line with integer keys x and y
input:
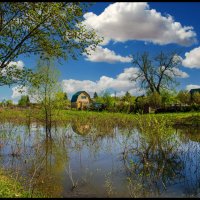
{"x": 155, "y": 74}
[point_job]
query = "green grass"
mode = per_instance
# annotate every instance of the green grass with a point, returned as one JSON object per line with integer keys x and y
{"x": 10, "y": 188}
{"x": 95, "y": 118}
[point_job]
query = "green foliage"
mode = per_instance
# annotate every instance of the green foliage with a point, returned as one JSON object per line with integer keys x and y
{"x": 184, "y": 97}
{"x": 39, "y": 28}
{"x": 126, "y": 97}
{"x": 24, "y": 101}
{"x": 196, "y": 98}
{"x": 10, "y": 188}
{"x": 61, "y": 101}
{"x": 168, "y": 97}
{"x": 65, "y": 96}
{"x": 116, "y": 104}
{"x": 108, "y": 100}
{"x": 141, "y": 103}
{"x": 155, "y": 100}
{"x": 6, "y": 103}
{"x": 46, "y": 90}
{"x": 155, "y": 158}
{"x": 13, "y": 75}
{"x": 95, "y": 95}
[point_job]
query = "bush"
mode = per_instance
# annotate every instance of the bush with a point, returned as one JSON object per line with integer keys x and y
{"x": 172, "y": 109}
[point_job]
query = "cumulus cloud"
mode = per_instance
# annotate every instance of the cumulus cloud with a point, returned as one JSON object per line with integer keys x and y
{"x": 12, "y": 66}
{"x": 120, "y": 84}
{"x": 189, "y": 87}
{"x": 177, "y": 73}
{"x": 19, "y": 64}
{"x": 192, "y": 58}
{"x": 18, "y": 91}
{"x": 123, "y": 21}
{"x": 105, "y": 55}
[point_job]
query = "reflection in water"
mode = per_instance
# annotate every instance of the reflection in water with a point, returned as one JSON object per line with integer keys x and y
{"x": 152, "y": 161}
{"x": 82, "y": 160}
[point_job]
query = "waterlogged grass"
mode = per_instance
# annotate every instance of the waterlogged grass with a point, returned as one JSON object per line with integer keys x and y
{"x": 97, "y": 118}
{"x": 10, "y": 188}
{"x": 149, "y": 148}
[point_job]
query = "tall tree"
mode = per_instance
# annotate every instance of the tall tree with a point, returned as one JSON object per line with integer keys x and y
{"x": 44, "y": 88}
{"x": 157, "y": 73}
{"x": 53, "y": 28}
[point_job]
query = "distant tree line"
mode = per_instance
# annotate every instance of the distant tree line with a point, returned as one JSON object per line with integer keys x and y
{"x": 167, "y": 101}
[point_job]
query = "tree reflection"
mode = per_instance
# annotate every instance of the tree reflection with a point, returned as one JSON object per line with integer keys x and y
{"x": 152, "y": 160}
{"x": 45, "y": 166}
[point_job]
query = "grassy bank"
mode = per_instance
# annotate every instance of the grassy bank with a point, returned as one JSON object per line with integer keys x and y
{"x": 10, "y": 188}
{"x": 120, "y": 119}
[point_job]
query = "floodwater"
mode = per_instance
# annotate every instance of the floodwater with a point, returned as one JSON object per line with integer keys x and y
{"x": 83, "y": 161}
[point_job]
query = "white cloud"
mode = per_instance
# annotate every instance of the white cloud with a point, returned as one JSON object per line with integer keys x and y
{"x": 19, "y": 65}
{"x": 123, "y": 21}
{"x": 120, "y": 84}
{"x": 71, "y": 86}
{"x": 189, "y": 87}
{"x": 18, "y": 91}
{"x": 192, "y": 58}
{"x": 177, "y": 73}
{"x": 105, "y": 55}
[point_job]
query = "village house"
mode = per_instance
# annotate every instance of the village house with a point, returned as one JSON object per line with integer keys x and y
{"x": 80, "y": 100}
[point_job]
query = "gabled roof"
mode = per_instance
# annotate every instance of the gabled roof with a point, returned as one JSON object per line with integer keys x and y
{"x": 75, "y": 96}
{"x": 192, "y": 91}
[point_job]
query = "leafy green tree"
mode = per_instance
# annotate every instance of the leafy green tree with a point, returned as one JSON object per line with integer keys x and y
{"x": 127, "y": 101}
{"x": 196, "y": 98}
{"x": 141, "y": 103}
{"x": 24, "y": 101}
{"x": 155, "y": 100}
{"x": 60, "y": 101}
{"x": 3, "y": 103}
{"x": 126, "y": 97}
{"x": 108, "y": 100}
{"x": 9, "y": 102}
{"x": 39, "y": 28}
{"x": 168, "y": 97}
{"x": 184, "y": 97}
{"x": 44, "y": 88}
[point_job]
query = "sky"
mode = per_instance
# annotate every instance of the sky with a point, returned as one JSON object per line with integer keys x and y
{"x": 129, "y": 28}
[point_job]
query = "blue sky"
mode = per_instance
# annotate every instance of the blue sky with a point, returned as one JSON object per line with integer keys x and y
{"x": 128, "y": 30}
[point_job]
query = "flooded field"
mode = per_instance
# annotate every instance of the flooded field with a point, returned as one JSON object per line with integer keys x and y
{"x": 84, "y": 161}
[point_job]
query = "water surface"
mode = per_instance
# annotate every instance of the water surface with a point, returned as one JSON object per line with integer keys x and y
{"x": 84, "y": 161}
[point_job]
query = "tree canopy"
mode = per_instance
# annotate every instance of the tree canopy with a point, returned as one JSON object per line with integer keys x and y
{"x": 52, "y": 28}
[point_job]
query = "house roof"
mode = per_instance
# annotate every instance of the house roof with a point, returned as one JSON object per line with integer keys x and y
{"x": 75, "y": 96}
{"x": 192, "y": 91}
